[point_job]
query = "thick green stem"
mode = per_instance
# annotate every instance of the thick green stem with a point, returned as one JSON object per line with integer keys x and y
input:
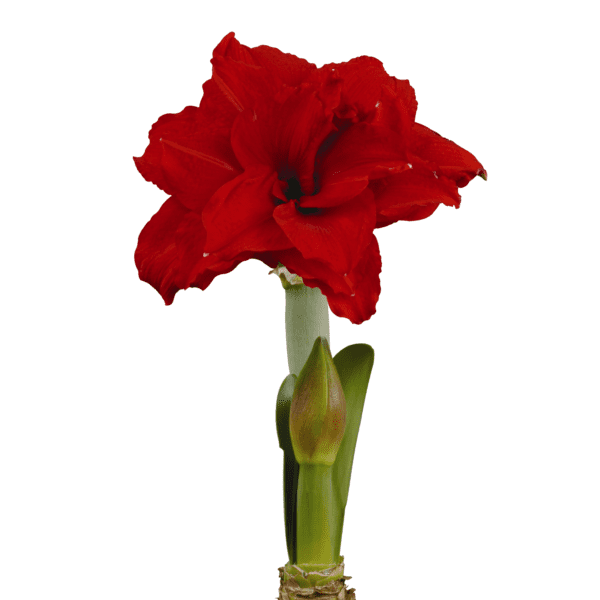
{"x": 312, "y": 510}
{"x": 306, "y": 318}
{"x": 315, "y": 545}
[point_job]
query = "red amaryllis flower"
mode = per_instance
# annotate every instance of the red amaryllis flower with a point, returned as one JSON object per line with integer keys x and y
{"x": 290, "y": 164}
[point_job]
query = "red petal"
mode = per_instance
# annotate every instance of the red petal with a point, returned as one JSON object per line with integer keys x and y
{"x": 405, "y": 96}
{"x": 284, "y": 134}
{"x": 328, "y": 280}
{"x": 215, "y": 107}
{"x": 363, "y": 80}
{"x": 288, "y": 68}
{"x": 239, "y": 217}
{"x": 408, "y": 213}
{"x": 360, "y": 305}
{"x": 363, "y": 152}
{"x": 338, "y": 236}
{"x": 453, "y": 161}
{"x": 189, "y": 156}
{"x": 243, "y": 84}
{"x": 353, "y": 297}
{"x": 245, "y": 74}
{"x": 230, "y": 47}
{"x": 169, "y": 255}
{"x": 396, "y": 109}
{"x": 412, "y": 195}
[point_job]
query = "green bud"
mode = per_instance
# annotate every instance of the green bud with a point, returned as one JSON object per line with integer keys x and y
{"x": 318, "y": 411}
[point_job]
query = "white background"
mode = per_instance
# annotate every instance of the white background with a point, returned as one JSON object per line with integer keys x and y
{"x": 138, "y": 452}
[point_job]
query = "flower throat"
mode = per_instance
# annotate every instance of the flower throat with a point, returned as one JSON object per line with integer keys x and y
{"x": 294, "y": 192}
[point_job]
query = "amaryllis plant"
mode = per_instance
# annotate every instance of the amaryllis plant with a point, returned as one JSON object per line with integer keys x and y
{"x": 297, "y": 166}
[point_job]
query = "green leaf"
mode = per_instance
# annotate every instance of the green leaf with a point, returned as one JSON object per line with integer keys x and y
{"x": 354, "y": 365}
{"x": 291, "y": 469}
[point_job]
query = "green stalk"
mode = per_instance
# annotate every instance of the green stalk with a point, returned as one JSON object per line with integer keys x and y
{"x": 315, "y": 495}
{"x": 315, "y": 545}
{"x": 306, "y": 318}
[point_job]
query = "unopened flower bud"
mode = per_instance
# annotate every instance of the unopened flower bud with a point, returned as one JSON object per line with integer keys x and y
{"x": 318, "y": 411}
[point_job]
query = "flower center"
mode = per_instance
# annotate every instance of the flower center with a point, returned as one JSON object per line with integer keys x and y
{"x": 308, "y": 210}
{"x": 294, "y": 190}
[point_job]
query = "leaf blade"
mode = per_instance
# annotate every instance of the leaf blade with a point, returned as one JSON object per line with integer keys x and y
{"x": 354, "y": 365}
{"x": 291, "y": 469}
